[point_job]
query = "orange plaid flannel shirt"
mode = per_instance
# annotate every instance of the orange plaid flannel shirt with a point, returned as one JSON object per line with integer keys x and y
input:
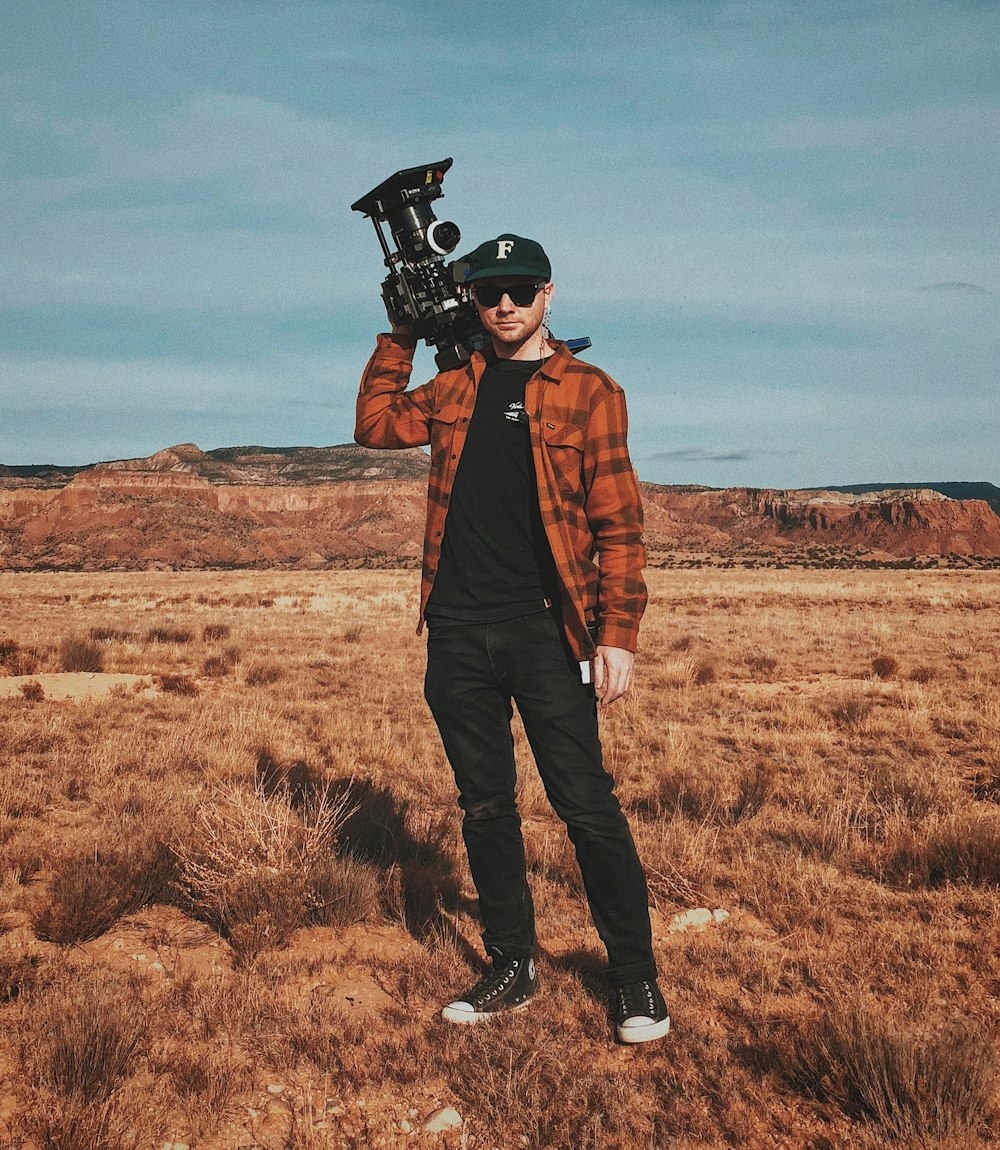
{"x": 587, "y": 489}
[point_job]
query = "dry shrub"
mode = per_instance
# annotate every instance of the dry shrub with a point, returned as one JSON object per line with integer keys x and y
{"x": 79, "y": 654}
{"x": 834, "y": 830}
{"x": 717, "y": 793}
{"x": 353, "y": 633}
{"x": 204, "y": 1082}
{"x": 917, "y": 1087}
{"x": 257, "y": 867}
{"x": 19, "y": 972}
{"x": 109, "y": 634}
{"x": 703, "y": 671}
{"x": 216, "y": 666}
{"x": 87, "y": 1033}
{"x": 884, "y": 666}
{"x": 20, "y": 864}
{"x": 175, "y": 684}
{"x": 963, "y": 847}
{"x": 761, "y": 664}
{"x": 32, "y": 692}
{"x": 165, "y": 634}
{"x": 851, "y": 709}
{"x": 260, "y": 911}
{"x": 923, "y": 673}
{"x": 88, "y": 893}
{"x": 913, "y": 786}
{"x": 263, "y": 672}
{"x": 213, "y": 631}
{"x": 71, "y": 1124}
{"x": 18, "y": 660}
{"x": 343, "y": 891}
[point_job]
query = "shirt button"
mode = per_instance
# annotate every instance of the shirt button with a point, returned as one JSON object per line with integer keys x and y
{"x": 454, "y": 457}
{"x": 465, "y": 419}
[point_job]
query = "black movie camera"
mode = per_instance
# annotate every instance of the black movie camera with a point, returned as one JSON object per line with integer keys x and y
{"x": 421, "y": 289}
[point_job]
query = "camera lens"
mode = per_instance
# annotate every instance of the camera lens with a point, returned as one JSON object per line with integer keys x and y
{"x": 443, "y": 237}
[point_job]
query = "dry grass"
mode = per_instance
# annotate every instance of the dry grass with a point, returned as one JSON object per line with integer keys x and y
{"x": 263, "y": 863}
{"x": 79, "y": 654}
{"x": 87, "y": 893}
{"x": 919, "y": 1085}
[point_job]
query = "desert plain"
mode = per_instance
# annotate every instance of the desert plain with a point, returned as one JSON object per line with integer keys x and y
{"x": 233, "y": 895}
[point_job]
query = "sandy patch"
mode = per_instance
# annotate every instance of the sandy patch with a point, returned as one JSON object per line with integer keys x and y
{"x": 78, "y": 685}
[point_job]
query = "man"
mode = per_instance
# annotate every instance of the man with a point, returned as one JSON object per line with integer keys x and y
{"x": 531, "y": 587}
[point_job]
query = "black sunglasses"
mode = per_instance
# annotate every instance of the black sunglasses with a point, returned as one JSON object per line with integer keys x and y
{"x": 521, "y": 295}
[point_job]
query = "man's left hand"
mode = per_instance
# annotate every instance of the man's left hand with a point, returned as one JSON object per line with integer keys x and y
{"x": 612, "y": 674}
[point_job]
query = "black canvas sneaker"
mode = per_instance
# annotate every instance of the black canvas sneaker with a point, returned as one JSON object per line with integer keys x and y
{"x": 640, "y": 1012}
{"x": 508, "y": 986}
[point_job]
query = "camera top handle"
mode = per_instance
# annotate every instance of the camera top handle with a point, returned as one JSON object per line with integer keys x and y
{"x": 401, "y": 201}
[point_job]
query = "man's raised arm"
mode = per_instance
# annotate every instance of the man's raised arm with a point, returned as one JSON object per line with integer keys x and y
{"x": 387, "y": 414}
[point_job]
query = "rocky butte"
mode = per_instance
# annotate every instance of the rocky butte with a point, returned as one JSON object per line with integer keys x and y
{"x": 311, "y": 508}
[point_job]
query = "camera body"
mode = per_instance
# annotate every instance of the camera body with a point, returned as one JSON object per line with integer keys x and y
{"x": 421, "y": 289}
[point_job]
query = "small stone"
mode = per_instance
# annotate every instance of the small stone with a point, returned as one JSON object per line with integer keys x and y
{"x": 696, "y": 919}
{"x": 445, "y": 1118}
{"x": 720, "y": 915}
{"x": 275, "y": 1088}
{"x": 138, "y": 957}
{"x": 406, "y": 1126}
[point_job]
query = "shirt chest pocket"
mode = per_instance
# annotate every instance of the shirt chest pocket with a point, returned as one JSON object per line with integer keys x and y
{"x": 564, "y": 447}
{"x": 443, "y": 422}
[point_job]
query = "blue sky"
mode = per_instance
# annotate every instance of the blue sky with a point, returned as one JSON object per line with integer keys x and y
{"x": 777, "y": 221}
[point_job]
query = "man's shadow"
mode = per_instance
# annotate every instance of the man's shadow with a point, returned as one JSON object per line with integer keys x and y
{"x": 411, "y": 847}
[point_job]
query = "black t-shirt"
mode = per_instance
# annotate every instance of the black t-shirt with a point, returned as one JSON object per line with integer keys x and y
{"x": 495, "y": 559}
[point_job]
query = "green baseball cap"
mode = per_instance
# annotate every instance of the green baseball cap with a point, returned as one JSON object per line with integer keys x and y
{"x": 507, "y": 255}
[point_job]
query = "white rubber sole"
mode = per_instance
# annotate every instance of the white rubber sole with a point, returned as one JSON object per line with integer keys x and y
{"x": 635, "y": 1034}
{"x": 459, "y": 1013}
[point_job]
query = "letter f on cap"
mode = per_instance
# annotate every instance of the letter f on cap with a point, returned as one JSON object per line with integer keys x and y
{"x": 504, "y": 248}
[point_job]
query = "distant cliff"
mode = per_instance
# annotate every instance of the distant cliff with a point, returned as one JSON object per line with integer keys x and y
{"x": 313, "y": 507}
{"x": 894, "y": 523}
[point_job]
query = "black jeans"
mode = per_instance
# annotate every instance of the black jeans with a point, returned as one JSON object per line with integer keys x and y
{"x": 473, "y": 672}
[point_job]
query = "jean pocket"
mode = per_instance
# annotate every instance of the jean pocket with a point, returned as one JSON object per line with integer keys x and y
{"x": 542, "y": 623}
